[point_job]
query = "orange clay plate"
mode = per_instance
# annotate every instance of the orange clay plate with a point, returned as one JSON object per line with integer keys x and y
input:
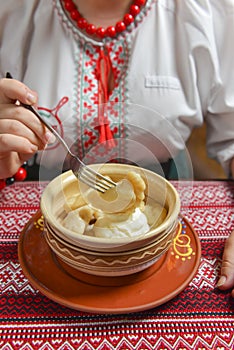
{"x": 144, "y": 290}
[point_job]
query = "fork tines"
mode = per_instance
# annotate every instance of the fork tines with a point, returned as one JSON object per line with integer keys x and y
{"x": 95, "y": 180}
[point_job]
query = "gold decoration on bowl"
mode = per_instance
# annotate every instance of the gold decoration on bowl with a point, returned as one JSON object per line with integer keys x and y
{"x": 39, "y": 224}
{"x": 182, "y": 245}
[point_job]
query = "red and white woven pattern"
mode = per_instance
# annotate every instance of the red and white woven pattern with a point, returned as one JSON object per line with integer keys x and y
{"x": 201, "y": 317}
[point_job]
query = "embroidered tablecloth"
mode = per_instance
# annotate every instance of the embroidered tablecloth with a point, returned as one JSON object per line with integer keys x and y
{"x": 200, "y": 317}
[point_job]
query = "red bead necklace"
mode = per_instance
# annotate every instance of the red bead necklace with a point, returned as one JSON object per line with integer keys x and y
{"x": 101, "y": 32}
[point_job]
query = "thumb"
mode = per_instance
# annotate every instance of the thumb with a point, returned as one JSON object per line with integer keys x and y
{"x": 226, "y": 280}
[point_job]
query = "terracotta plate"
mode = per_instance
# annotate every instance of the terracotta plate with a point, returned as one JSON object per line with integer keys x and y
{"x": 145, "y": 290}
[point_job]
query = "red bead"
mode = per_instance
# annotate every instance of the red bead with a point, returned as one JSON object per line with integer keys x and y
{"x": 139, "y": 2}
{"x": 110, "y": 31}
{"x": 128, "y": 19}
{"x": 2, "y": 184}
{"x": 120, "y": 27}
{"x": 82, "y": 23}
{"x": 20, "y": 175}
{"x": 100, "y": 32}
{"x": 69, "y": 5}
{"x": 90, "y": 29}
{"x": 75, "y": 15}
{"x": 134, "y": 10}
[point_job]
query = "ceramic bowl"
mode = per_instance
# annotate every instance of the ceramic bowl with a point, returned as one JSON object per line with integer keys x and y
{"x": 60, "y": 189}
{"x": 109, "y": 263}
{"x": 104, "y": 256}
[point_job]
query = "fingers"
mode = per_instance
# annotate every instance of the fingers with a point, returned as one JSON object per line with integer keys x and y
{"x": 14, "y": 151}
{"x": 13, "y": 90}
{"x": 17, "y": 128}
{"x": 20, "y": 121}
{"x": 10, "y": 143}
{"x": 226, "y": 279}
{"x": 21, "y": 132}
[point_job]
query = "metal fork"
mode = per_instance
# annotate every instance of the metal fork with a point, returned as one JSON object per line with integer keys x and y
{"x": 83, "y": 172}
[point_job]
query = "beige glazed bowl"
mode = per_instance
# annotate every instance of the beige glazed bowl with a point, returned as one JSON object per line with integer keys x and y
{"x": 109, "y": 256}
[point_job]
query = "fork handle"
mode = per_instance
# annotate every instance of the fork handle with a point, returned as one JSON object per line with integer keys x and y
{"x": 34, "y": 111}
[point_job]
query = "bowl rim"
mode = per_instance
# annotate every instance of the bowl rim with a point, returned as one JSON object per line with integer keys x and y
{"x": 76, "y": 237}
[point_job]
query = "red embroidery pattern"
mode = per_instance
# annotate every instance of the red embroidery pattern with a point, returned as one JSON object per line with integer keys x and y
{"x": 54, "y": 120}
{"x": 88, "y": 109}
{"x": 86, "y": 88}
